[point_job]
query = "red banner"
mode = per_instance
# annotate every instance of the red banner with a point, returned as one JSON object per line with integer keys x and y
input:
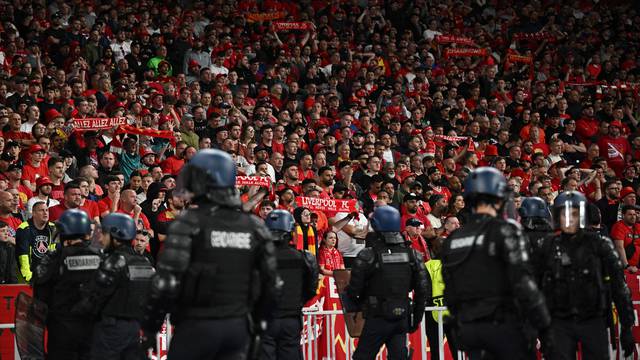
{"x": 519, "y": 59}
{"x": 464, "y": 52}
{"x": 331, "y": 205}
{"x": 98, "y": 123}
{"x": 8, "y": 294}
{"x": 253, "y": 181}
{"x": 537, "y": 36}
{"x": 453, "y": 39}
{"x": 164, "y": 134}
{"x": 270, "y": 16}
{"x": 291, "y": 25}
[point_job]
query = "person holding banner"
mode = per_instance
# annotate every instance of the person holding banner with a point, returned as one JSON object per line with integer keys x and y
{"x": 381, "y": 280}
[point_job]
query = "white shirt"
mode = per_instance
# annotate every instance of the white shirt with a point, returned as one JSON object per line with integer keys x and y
{"x": 346, "y": 244}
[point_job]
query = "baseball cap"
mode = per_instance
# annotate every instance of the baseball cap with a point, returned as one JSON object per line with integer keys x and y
{"x": 35, "y": 148}
{"x": 627, "y": 190}
{"x": 410, "y": 196}
{"x": 13, "y": 167}
{"x": 413, "y": 222}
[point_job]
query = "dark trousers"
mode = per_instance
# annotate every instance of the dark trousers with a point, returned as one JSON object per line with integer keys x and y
{"x": 378, "y": 331}
{"x": 431, "y": 328}
{"x": 494, "y": 340}
{"x": 282, "y": 340}
{"x": 200, "y": 339}
{"x": 69, "y": 339}
{"x": 591, "y": 333}
{"x": 116, "y": 339}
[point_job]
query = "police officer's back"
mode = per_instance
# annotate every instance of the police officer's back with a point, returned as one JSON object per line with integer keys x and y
{"x": 576, "y": 268}
{"x": 381, "y": 279}
{"x": 486, "y": 275}
{"x": 217, "y": 267}
{"x": 536, "y": 220}
{"x": 117, "y": 293}
{"x": 58, "y": 281}
{"x": 299, "y": 273}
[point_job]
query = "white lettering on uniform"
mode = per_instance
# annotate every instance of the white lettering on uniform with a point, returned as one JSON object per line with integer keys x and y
{"x": 82, "y": 262}
{"x": 466, "y": 242}
{"x": 231, "y": 240}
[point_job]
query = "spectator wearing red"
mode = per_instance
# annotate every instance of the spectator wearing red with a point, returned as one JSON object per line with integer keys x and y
{"x": 614, "y": 147}
{"x": 109, "y": 203}
{"x": 128, "y": 205}
{"x": 89, "y": 206}
{"x": 72, "y": 199}
{"x": 173, "y": 164}
{"x": 412, "y": 230}
{"x": 55, "y": 167}
{"x": 329, "y": 258}
{"x": 626, "y": 236}
{"x": 411, "y": 210}
{"x": 43, "y": 194}
{"x": 35, "y": 168}
{"x": 14, "y": 133}
{"x": 587, "y": 126}
{"x": 7, "y": 203}
{"x": 14, "y": 176}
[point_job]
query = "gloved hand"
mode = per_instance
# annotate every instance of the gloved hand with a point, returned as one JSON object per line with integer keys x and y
{"x": 547, "y": 342}
{"x": 627, "y": 342}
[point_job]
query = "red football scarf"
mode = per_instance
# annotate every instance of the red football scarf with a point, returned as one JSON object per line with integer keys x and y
{"x": 253, "y": 181}
{"x": 163, "y": 134}
{"x": 98, "y": 123}
{"x": 464, "y": 52}
{"x": 452, "y": 39}
{"x": 333, "y": 205}
{"x": 291, "y": 25}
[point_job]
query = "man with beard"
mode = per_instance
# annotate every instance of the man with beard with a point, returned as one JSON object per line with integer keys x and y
{"x": 290, "y": 177}
{"x": 33, "y": 239}
{"x": 439, "y": 206}
{"x": 175, "y": 205}
{"x": 43, "y": 194}
{"x": 262, "y": 154}
{"x": 413, "y": 210}
{"x": 326, "y": 178}
{"x": 56, "y": 176}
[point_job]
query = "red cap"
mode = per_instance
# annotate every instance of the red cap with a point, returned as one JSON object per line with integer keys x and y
{"x": 406, "y": 174}
{"x": 146, "y": 151}
{"x": 35, "y": 148}
{"x": 193, "y": 63}
{"x": 41, "y": 181}
{"x": 627, "y": 190}
{"x": 616, "y": 123}
{"x": 518, "y": 172}
{"x": 317, "y": 147}
{"x": 52, "y": 114}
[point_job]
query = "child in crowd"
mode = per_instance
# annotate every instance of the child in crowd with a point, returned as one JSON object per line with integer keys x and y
{"x": 329, "y": 258}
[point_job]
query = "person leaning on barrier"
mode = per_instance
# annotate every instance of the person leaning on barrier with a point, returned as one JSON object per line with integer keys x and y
{"x": 299, "y": 272}
{"x": 118, "y": 292}
{"x": 217, "y": 272}
{"x": 573, "y": 268}
{"x": 536, "y": 220}
{"x": 381, "y": 280}
{"x": 487, "y": 280}
{"x": 58, "y": 281}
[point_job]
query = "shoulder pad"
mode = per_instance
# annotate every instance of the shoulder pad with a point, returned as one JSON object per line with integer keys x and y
{"x": 367, "y": 255}
{"x": 114, "y": 263}
{"x": 514, "y": 223}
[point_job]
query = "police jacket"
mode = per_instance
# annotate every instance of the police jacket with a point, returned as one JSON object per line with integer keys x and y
{"x": 382, "y": 278}
{"x": 299, "y": 273}
{"x": 485, "y": 269}
{"x": 535, "y": 233}
{"x": 63, "y": 275}
{"x": 218, "y": 262}
{"x": 576, "y": 271}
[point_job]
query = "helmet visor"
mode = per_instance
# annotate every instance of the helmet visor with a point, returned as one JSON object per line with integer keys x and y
{"x": 572, "y": 216}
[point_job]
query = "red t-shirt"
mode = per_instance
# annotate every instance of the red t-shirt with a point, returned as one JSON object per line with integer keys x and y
{"x": 105, "y": 204}
{"x": 172, "y": 165}
{"x": 142, "y": 219}
{"x": 57, "y": 191}
{"x": 30, "y": 173}
{"x": 13, "y": 222}
{"x": 630, "y": 235}
{"x": 330, "y": 259}
{"x": 91, "y": 208}
{"x": 56, "y": 211}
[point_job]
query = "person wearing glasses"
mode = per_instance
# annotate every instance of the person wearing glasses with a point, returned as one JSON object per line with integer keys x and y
{"x": 609, "y": 203}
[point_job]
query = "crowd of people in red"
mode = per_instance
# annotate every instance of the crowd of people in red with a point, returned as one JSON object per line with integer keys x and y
{"x": 383, "y": 102}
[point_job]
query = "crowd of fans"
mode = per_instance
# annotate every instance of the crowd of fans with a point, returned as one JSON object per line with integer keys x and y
{"x": 386, "y": 102}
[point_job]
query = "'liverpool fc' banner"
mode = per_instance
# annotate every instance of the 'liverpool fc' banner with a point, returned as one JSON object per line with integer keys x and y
{"x": 333, "y": 205}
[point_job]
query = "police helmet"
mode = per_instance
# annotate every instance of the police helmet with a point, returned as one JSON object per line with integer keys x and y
{"x": 73, "y": 223}
{"x": 209, "y": 169}
{"x": 485, "y": 183}
{"x": 563, "y": 210}
{"x": 386, "y": 219}
{"x": 120, "y": 226}
{"x": 281, "y": 224}
{"x": 534, "y": 207}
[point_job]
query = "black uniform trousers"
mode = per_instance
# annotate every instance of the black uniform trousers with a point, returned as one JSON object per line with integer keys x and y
{"x": 116, "y": 339}
{"x": 282, "y": 339}
{"x": 200, "y": 339}
{"x": 378, "y": 331}
{"x": 68, "y": 339}
{"x": 431, "y": 328}
{"x": 591, "y": 333}
{"x": 493, "y": 339}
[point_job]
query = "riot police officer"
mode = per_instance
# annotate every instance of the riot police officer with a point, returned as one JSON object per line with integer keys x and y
{"x": 299, "y": 272}
{"x": 118, "y": 292}
{"x": 217, "y": 273}
{"x": 381, "y": 279}
{"x": 536, "y": 220}
{"x": 573, "y": 268}
{"x": 486, "y": 275}
{"x": 58, "y": 281}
